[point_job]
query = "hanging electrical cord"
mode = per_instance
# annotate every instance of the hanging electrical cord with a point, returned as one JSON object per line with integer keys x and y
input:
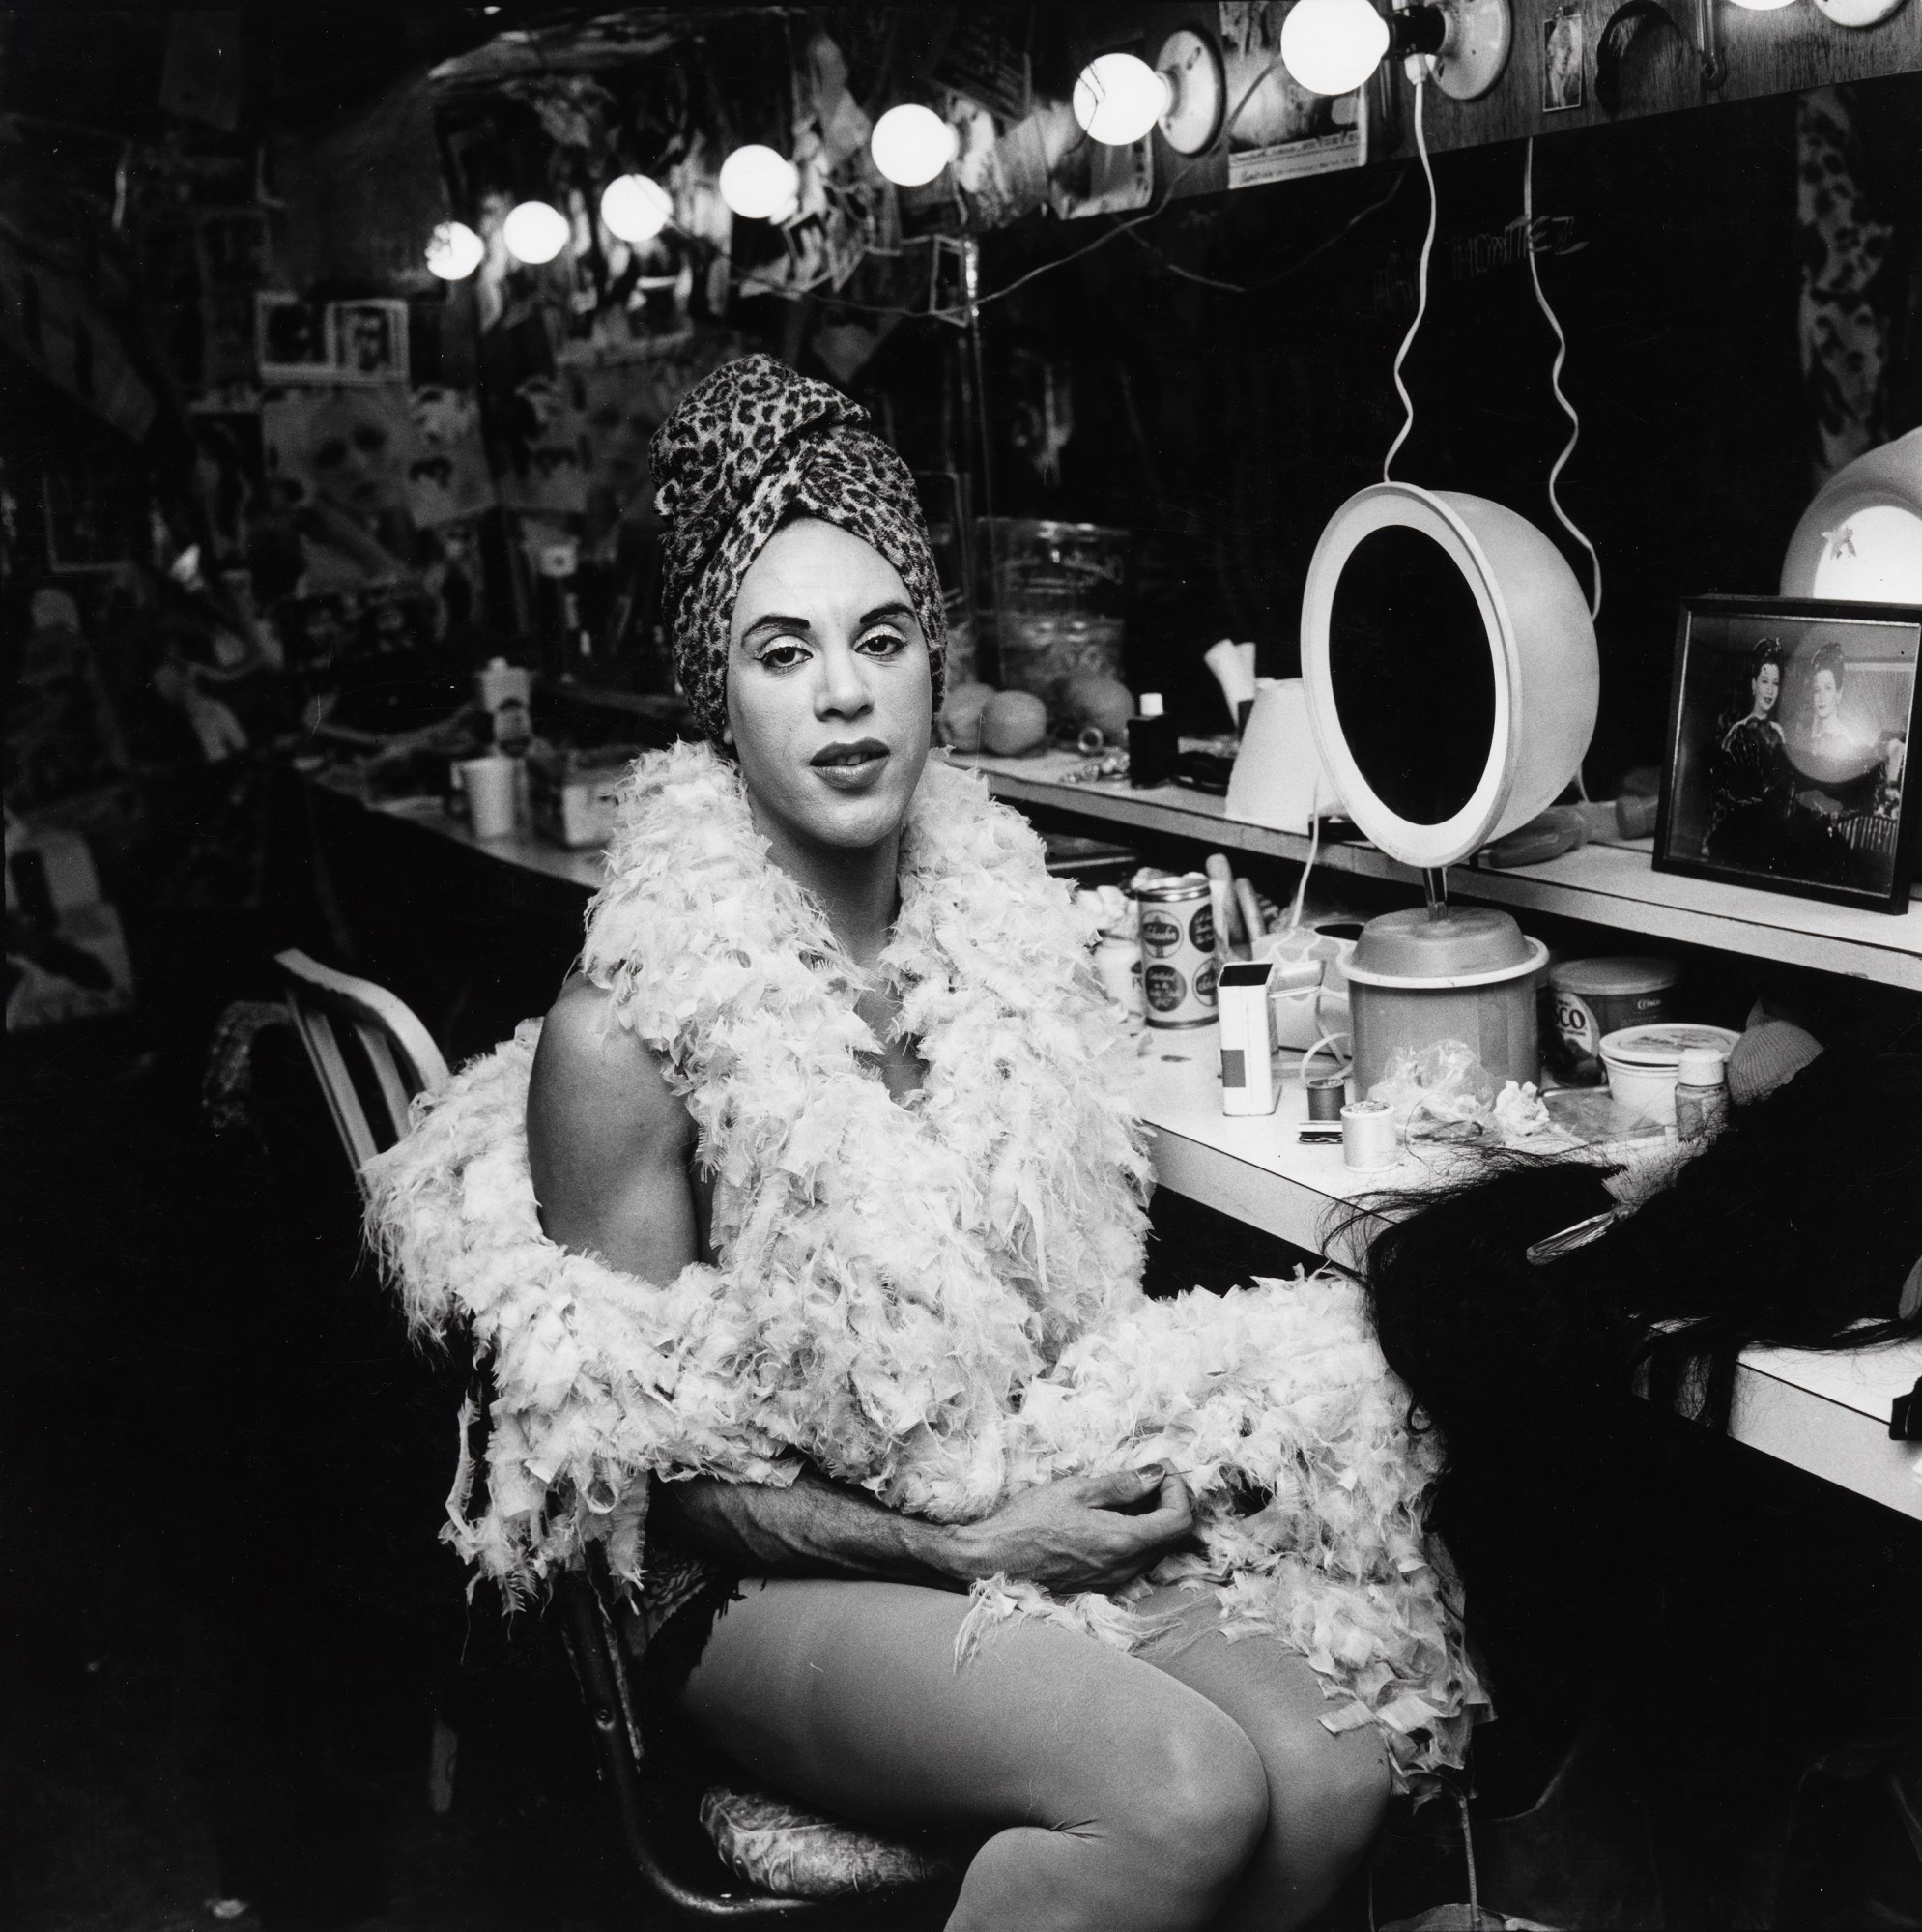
{"x": 1554, "y": 383}
{"x": 1421, "y": 276}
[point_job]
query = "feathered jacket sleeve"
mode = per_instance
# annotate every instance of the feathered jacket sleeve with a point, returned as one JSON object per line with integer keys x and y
{"x": 600, "y": 1378}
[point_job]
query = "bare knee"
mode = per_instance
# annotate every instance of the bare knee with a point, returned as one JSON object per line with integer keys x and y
{"x": 1327, "y": 1798}
{"x": 1200, "y": 1804}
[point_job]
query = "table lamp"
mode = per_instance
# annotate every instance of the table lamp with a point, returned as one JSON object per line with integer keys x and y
{"x": 1861, "y": 538}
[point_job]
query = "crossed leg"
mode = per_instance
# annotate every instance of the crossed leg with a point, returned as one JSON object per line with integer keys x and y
{"x": 1325, "y": 1794}
{"x": 1110, "y": 1792}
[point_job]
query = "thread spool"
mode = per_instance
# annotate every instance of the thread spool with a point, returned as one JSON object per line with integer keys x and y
{"x": 1367, "y": 1136}
{"x": 1325, "y": 1093}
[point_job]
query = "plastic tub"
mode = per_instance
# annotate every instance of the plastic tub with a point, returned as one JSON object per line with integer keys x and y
{"x": 1645, "y": 1063}
{"x": 1598, "y": 996}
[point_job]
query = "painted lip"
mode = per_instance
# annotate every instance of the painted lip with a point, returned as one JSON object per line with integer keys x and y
{"x": 854, "y": 756}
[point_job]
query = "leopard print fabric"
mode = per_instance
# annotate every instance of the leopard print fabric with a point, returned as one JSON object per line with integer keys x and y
{"x": 752, "y": 448}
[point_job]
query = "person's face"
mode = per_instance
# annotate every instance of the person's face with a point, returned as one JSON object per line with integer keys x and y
{"x": 355, "y": 462}
{"x": 1767, "y": 687}
{"x": 1825, "y": 696}
{"x": 830, "y": 697}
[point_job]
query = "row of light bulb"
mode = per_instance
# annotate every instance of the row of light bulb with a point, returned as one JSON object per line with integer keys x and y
{"x": 910, "y": 144}
{"x": 1329, "y": 46}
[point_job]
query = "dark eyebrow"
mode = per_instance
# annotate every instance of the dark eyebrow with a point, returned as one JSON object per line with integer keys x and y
{"x": 776, "y": 623}
{"x": 893, "y": 610}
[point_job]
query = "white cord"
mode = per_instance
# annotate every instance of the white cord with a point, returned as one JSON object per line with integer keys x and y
{"x": 1555, "y": 380}
{"x": 1314, "y": 846}
{"x": 1420, "y": 277}
{"x": 1329, "y": 1036}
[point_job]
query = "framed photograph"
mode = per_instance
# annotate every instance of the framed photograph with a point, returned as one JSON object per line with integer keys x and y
{"x": 1789, "y": 723}
{"x": 369, "y": 340}
{"x": 1564, "y": 79}
{"x": 290, "y": 339}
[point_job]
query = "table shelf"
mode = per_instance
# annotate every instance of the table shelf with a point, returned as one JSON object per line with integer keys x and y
{"x": 1827, "y": 1414}
{"x": 1614, "y": 885}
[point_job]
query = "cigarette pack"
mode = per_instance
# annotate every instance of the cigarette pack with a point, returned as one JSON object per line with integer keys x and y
{"x": 1247, "y": 1038}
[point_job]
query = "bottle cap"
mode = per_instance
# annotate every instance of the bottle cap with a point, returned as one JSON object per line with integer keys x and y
{"x": 1704, "y": 1066}
{"x": 1151, "y": 704}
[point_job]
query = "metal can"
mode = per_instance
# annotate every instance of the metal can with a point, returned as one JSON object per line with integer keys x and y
{"x": 1178, "y": 965}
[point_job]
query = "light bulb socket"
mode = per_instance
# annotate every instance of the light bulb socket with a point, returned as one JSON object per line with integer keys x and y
{"x": 1417, "y": 30}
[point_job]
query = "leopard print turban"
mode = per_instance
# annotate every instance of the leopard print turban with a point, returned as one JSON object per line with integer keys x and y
{"x": 752, "y": 448}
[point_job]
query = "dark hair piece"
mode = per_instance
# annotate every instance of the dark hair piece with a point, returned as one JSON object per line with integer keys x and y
{"x": 1795, "y": 1228}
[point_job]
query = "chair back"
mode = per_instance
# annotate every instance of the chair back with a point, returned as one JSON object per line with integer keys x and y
{"x": 346, "y": 1023}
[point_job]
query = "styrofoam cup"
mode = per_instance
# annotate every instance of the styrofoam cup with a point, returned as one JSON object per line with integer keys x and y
{"x": 490, "y": 787}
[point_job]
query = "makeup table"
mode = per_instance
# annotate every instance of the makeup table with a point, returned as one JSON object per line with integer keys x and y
{"x": 1826, "y": 1414}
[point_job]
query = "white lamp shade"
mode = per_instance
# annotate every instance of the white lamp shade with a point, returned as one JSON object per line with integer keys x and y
{"x": 455, "y": 251}
{"x": 1450, "y": 669}
{"x": 912, "y": 144}
{"x": 1332, "y": 46}
{"x": 636, "y": 208}
{"x": 1861, "y": 537}
{"x": 1118, "y": 98}
{"x": 759, "y": 185}
{"x": 534, "y": 231}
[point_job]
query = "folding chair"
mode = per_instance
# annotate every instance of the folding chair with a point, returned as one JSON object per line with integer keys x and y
{"x": 336, "y": 1014}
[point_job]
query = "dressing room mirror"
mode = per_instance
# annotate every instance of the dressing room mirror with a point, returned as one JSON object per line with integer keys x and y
{"x": 1450, "y": 669}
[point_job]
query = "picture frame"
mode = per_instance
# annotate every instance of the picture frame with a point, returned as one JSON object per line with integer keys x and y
{"x": 369, "y": 340}
{"x": 1564, "y": 61}
{"x": 1786, "y": 759}
{"x": 291, "y": 338}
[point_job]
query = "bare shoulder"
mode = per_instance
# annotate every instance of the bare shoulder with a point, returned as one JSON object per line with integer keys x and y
{"x": 608, "y": 1141}
{"x": 596, "y": 1086}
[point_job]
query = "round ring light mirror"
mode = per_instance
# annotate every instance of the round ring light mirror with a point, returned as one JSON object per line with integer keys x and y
{"x": 1449, "y": 666}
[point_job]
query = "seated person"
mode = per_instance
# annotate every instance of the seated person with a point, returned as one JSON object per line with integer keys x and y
{"x": 805, "y": 1237}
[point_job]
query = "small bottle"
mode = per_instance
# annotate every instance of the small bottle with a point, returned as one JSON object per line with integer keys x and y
{"x": 1700, "y": 1095}
{"x": 1153, "y": 745}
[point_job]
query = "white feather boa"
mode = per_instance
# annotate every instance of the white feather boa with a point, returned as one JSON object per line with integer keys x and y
{"x": 937, "y": 1302}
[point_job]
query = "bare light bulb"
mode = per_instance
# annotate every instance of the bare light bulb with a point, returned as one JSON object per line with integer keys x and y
{"x": 912, "y": 144}
{"x": 1332, "y": 46}
{"x": 535, "y": 232}
{"x": 455, "y": 251}
{"x": 636, "y": 208}
{"x": 1118, "y": 98}
{"x": 759, "y": 185}
{"x": 1763, "y": 6}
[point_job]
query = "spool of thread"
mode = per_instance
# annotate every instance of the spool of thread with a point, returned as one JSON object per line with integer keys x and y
{"x": 1326, "y": 1092}
{"x": 1367, "y": 1136}
{"x": 490, "y": 784}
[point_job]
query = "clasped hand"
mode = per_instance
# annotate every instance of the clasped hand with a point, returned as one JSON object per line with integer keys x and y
{"x": 1083, "y": 1532}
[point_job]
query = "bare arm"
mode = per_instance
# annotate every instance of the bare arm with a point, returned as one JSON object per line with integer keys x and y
{"x": 609, "y": 1141}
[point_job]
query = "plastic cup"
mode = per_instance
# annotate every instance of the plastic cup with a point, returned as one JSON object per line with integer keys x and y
{"x": 490, "y": 787}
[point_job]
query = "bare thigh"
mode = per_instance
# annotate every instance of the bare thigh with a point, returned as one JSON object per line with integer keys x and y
{"x": 1109, "y": 1793}
{"x": 846, "y": 1693}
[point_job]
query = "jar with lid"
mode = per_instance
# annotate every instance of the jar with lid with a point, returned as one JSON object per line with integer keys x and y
{"x": 1700, "y": 1095}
